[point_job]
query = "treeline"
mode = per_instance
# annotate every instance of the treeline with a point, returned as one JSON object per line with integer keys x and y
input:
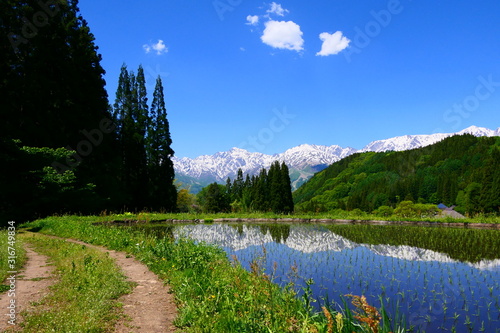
{"x": 461, "y": 170}
{"x": 270, "y": 191}
{"x": 63, "y": 148}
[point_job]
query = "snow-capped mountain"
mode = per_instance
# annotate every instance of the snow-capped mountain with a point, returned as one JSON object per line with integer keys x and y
{"x": 408, "y": 142}
{"x": 303, "y": 160}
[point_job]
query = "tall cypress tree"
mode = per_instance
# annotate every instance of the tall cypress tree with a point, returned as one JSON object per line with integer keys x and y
{"x": 163, "y": 192}
{"x": 130, "y": 113}
{"x": 286, "y": 189}
{"x": 261, "y": 201}
{"x": 275, "y": 188}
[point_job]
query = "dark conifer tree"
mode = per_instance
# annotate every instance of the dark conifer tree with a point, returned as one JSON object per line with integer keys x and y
{"x": 162, "y": 174}
{"x": 261, "y": 201}
{"x": 286, "y": 189}
{"x": 275, "y": 188}
{"x": 131, "y": 140}
{"x": 216, "y": 199}
{"x": 229, "y": 188}
{"x": 238, "y": 184}
{"x": 53, "y": 75}
{"x": 53, "y": 89}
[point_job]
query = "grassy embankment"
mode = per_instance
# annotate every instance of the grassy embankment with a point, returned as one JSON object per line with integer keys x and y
{"x": 213, "y": 294}
{"x": 335, "y": 215}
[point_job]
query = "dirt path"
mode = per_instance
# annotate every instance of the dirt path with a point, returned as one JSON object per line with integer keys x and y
{"x": 32, "y": 283}
{"x": 150, "y": 306}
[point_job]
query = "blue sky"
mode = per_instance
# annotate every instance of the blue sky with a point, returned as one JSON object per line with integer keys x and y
{"x": 268, "y": 76}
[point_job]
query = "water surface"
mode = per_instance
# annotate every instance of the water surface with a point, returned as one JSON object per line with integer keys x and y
{"x": 451, "y": 282}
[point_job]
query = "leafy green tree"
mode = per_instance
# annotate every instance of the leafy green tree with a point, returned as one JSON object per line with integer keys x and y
{"x": 472, "y": 196}
{"x": 185, "y": 201}
{"x": 405, "y": 209}
{"x": 32, "y": 188}
{"x": 216, "y": 199}
{"x": 489, "y": 199}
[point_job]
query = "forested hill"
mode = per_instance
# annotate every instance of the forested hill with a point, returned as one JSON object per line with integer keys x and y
{"x": 461, "y": 170}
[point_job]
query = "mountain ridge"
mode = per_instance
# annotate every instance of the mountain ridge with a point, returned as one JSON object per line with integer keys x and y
{"x": 303, "y": 160}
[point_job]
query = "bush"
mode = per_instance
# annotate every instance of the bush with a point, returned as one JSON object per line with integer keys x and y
{"x": 407, "y": 209}
{"x": 384, "y": 211}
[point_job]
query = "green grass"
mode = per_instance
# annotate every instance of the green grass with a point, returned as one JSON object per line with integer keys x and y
{"x": 19, "y": 260}
{"x": 84, "y": 297}
{"x": 213, "y": 295}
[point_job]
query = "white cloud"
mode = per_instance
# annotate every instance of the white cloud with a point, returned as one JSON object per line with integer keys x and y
{"x": 277, "y": 9}
{"x": 159, "y": 47}
{"x": 283, "y": 35}
{"x": 332, "y": 43}
{"x": 252, "y": 19}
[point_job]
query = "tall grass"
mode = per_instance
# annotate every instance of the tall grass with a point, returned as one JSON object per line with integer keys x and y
{"x": 19, "y": 259}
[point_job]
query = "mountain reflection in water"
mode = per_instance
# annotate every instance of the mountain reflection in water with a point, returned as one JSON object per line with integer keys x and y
{"x": 428, "y": 287}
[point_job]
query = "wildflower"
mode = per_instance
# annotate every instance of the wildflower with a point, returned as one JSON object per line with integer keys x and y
{"x": 367, "y": 314}
{"x": 328, "y": 316}
{"x": 340, "y": 321}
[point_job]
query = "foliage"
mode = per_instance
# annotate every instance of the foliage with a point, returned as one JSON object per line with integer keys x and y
{"x": 384, "y": 211}
{"x": 214, "y": 199}
{"x": 407, "y": 209}
{"x": 185, "y": 201}
{"x": 31, "y": 187}
{"x": 463, "y": 170}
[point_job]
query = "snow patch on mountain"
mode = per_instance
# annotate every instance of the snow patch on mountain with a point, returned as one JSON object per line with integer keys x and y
{"x": 407, "y": 142}
{"x": 304, "y": 160}
{"x": 226, "y": 164}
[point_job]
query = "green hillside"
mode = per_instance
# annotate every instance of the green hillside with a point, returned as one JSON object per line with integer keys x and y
{"x": 461, "y": 170}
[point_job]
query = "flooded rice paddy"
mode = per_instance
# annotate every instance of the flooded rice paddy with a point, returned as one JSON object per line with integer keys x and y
{"x": 439, "y": 279}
